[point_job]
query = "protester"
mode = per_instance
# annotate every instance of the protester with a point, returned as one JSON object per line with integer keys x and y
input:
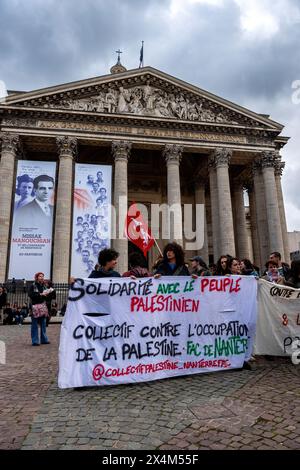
{"x": 199, "y": 267}
{"x": 213, "y": 269}
{"x": 247, "y": 268}
{"x": 172, "y": 263}
{"x": 283, "y": 268}
{"x": 38, "y": 298}
{"x": 107, "y": 259}
{"x": 222, "y": 266}
{"x": 272, "y": 273}
{"x": 234, "y": 266}
{"x": 294, "y": 279}
{"x": 137, "y": 267}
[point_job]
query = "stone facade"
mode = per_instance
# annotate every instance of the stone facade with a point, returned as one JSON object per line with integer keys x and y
{"x": 294, "y": 241}
{"x": 169, "y": 142}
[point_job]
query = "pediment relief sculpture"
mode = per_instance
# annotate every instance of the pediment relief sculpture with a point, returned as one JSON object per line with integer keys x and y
{"x": 146, "y": 100}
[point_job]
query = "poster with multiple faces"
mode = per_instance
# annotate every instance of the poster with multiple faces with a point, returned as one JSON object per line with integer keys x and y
{"x": 31, "y": 236}
{"x": 91, "y": 216}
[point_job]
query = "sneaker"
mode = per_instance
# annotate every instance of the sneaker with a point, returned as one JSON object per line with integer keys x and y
{"x": 35, "y": 344}
{"x": 47, "y": 342}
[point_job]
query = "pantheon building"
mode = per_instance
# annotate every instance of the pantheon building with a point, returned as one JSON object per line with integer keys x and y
{"x": 167, "y": 142}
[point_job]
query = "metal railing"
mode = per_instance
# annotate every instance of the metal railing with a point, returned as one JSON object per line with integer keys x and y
{"x": 17, "y": 293}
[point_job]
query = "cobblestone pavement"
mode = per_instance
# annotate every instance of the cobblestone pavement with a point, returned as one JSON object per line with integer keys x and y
{"x": 257, "y": 409}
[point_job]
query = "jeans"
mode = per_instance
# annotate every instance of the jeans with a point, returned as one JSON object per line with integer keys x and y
{"x": 35, "y": 330}
{"x": 19, "y": 319}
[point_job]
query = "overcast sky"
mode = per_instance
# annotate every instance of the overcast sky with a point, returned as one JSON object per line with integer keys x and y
{"x": 247, "y": 51}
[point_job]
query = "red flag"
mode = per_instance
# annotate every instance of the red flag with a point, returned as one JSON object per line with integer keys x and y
{"x": 137, "y": 231}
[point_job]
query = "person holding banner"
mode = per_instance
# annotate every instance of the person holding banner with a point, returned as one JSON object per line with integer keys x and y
{"x": 172, "y": 263}
{"x": 38, "y": 294}
{"x": 137, "y": 267}
{"x": 283, "y": 268}
{"x": 199, "y": 267}
{"x": 247, "y": 268}
{"x": 272, "y": 273}
{"x": 222, "y": 268}
{"x": 234, "y": 266}
{"x": 107, "y": 259}
{"x": 294, "y": 279}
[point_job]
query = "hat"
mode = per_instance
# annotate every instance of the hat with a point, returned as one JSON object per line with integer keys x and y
{"x": 197, "y": 258}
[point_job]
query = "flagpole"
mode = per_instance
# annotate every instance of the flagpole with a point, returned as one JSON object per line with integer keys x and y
{"x": 160, "y": 252}
{"x": 142, "y": 56}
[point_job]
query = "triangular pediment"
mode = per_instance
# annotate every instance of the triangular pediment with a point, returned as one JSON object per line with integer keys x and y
{"x": 144, "y": 92}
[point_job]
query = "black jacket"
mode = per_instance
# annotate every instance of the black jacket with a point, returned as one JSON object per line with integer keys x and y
{"x": 3, "y": 299}
{"x": 101, "y": 273}
{"x": 35, "y": 291}
{"x": 165, "y": 270}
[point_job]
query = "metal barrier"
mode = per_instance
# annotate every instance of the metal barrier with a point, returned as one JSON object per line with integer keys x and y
{"x": 18, "y": 294}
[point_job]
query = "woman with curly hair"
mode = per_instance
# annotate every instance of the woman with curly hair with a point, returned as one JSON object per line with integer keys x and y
{"x": 172, "y": 263}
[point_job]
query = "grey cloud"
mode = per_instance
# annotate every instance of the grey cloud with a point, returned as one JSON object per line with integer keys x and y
{"x": 44, "y": 43}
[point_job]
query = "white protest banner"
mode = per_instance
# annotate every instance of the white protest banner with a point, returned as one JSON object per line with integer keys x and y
{"x": 91, "y": 216}
{"x": 31, "y": 235}
{"x": 121, "y": 330}
{"x": 278, "y": 319}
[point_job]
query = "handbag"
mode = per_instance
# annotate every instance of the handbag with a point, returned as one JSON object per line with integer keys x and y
{"x": 40, "y": 310}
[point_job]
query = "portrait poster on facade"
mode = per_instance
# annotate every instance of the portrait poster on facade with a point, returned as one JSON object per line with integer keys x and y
{"x": 91, "y": 216}
{"x": 31, "y": 236}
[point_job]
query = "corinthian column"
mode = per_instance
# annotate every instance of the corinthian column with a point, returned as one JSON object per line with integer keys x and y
{"x": 242, "y": 245}
{"x": 268, "y": 162}
{"x": 173, "y": 154}
{"x": 214, "y": 202}
{"x": 260, "y": 207}
{"x": 121, "y": 153}
{"x": 222, "y": 160}
{"x": 254, "y": 232}
{"x": 7, "y": 166}
{"x": 67, "y": 147}
{"x": 278, "y": 173}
